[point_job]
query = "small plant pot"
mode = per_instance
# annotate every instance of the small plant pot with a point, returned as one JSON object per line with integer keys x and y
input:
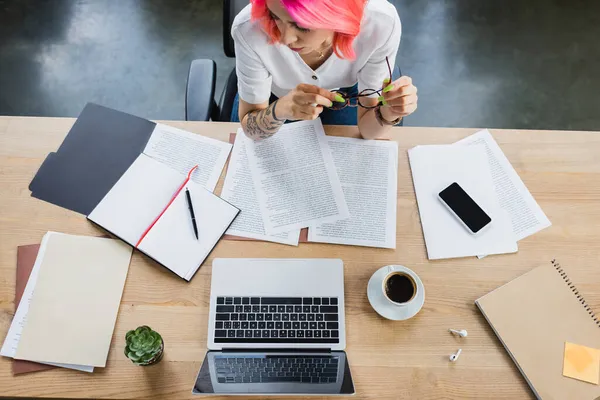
{"x": 156, "y": 358}
{"x": 143, "y": 346}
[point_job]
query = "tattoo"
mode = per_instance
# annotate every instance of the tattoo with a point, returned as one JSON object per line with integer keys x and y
{"x": 262, "y": 124}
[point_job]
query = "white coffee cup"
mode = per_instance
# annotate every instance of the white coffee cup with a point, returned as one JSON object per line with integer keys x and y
{"x": 396, "y": 292}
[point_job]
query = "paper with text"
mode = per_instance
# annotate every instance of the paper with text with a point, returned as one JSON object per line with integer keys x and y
{"x": 526, "y": 215}
{"x": 13, "y": 337}
{"x": 368, "y": 172}
{"x": 73, "y": 312}
{"x": 181, "y": 150}
{"x": 295, "y": 178}
{"x": 239, "y": 190}
{"x": 433, "y": 168}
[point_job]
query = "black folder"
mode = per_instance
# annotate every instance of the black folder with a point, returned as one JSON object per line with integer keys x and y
{"x": 98, "y": 149}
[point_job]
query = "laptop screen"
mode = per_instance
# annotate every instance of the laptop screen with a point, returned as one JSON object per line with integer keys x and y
{"x": 292, "y": 372}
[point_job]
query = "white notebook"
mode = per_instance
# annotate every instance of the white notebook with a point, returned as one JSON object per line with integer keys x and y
{"x": 525, "y": 213}
{"x": 434, "y": 167}
{"x": 140, "y": 196}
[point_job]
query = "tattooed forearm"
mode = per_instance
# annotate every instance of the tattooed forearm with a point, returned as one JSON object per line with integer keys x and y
{"x": 262, "y": 124}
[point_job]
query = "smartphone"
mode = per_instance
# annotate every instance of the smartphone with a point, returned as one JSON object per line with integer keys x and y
{"x": 464, "y": 208}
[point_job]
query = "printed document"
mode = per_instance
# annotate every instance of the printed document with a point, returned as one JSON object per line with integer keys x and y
{"x": 11, "y": 343}
{"x": 368, "y": 171}
{"x": 295, "y": 178}
{"x": 434, "y": 168}
{"x": 181, "y": 150}
{"x": 525, "y": 213}
{"x": 239, "y": 190}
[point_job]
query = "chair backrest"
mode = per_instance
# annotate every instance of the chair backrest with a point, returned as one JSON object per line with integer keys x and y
{"x": 231, "y": 8}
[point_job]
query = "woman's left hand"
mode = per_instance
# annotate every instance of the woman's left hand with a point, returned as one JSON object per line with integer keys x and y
{"x": 398, "y": 99}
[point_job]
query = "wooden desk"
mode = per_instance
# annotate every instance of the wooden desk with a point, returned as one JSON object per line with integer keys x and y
{"x": 389, "y": 360}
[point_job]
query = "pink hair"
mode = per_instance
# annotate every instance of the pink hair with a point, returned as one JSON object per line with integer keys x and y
{"x": 341, "y": 16}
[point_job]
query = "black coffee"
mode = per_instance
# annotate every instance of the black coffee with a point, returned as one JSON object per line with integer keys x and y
{"x": 399, "y": 288}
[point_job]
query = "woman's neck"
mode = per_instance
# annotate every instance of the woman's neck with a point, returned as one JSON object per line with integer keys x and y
{"x": 316, "y": 58}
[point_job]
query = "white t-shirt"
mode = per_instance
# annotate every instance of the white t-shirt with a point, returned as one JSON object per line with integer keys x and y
{"x": 263, "y": 68}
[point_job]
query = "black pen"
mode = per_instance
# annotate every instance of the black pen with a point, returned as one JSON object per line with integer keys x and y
{"x": 189, "y": 201}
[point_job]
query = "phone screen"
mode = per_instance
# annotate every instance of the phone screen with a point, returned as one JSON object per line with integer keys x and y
{"x": 465, "y": 207}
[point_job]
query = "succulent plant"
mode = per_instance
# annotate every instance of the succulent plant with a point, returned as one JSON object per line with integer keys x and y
{"x": 143, "y": 346}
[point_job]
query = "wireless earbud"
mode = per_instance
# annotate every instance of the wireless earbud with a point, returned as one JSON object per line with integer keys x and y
{"x": 461, "y": 333}
{"x": 454, "y": 357}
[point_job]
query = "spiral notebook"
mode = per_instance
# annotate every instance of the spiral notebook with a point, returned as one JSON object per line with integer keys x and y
{"x": 533, "y": 316}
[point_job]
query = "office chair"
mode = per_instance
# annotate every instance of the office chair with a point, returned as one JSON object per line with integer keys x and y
{"x": 200, "y": 104}
{"x": 199, "y": 100}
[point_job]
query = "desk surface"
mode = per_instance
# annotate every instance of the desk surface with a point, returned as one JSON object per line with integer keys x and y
{"x": 395, "y": 360}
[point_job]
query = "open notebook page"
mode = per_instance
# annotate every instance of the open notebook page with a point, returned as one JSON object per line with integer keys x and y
{"x": 136, "y": 199}
{"x": 140, "y": 196}
{"x": 368, "y": 174}
{"x": 172, "y": 242}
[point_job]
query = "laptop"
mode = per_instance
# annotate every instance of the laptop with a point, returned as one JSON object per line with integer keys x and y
{"x": 276, "y": 326}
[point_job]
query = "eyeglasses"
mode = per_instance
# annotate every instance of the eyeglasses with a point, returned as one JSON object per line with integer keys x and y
{"x": 355, "y": 101}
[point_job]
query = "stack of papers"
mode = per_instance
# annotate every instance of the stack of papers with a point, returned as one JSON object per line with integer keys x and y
{"x": 343, "y": 189}
{"x": 526, "y": 215}
{"x": 69, "y": 306}
{"x": 435, "y": 168}
{"x": 477, "y": 164}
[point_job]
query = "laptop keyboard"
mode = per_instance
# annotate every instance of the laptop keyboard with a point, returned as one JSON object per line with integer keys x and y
{"x": 271, "y": 369}
{"x": 277, "y": 320}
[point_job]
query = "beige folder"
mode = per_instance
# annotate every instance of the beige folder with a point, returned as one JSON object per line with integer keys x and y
{"x": 75, "y": 302}
{"x": 533, "y": 316}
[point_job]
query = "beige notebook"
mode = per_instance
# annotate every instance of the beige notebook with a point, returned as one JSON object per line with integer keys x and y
{"x": 75, "y": 302}
{"x": 533, "y": 316}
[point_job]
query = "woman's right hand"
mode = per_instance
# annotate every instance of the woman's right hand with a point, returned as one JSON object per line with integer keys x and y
{"x": 305, "y": 102}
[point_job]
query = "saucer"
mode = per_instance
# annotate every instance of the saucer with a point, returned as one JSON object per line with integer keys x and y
{"x": 383, "y": 306}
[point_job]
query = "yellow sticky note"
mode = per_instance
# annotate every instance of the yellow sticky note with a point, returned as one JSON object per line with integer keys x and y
{"x": 581, "y": 363}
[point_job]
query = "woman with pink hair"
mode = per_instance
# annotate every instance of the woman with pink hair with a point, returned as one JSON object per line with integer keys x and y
{"x": 304, "y": 59}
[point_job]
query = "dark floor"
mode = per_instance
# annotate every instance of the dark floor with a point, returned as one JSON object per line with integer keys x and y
{"x": 498, "y": 64}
